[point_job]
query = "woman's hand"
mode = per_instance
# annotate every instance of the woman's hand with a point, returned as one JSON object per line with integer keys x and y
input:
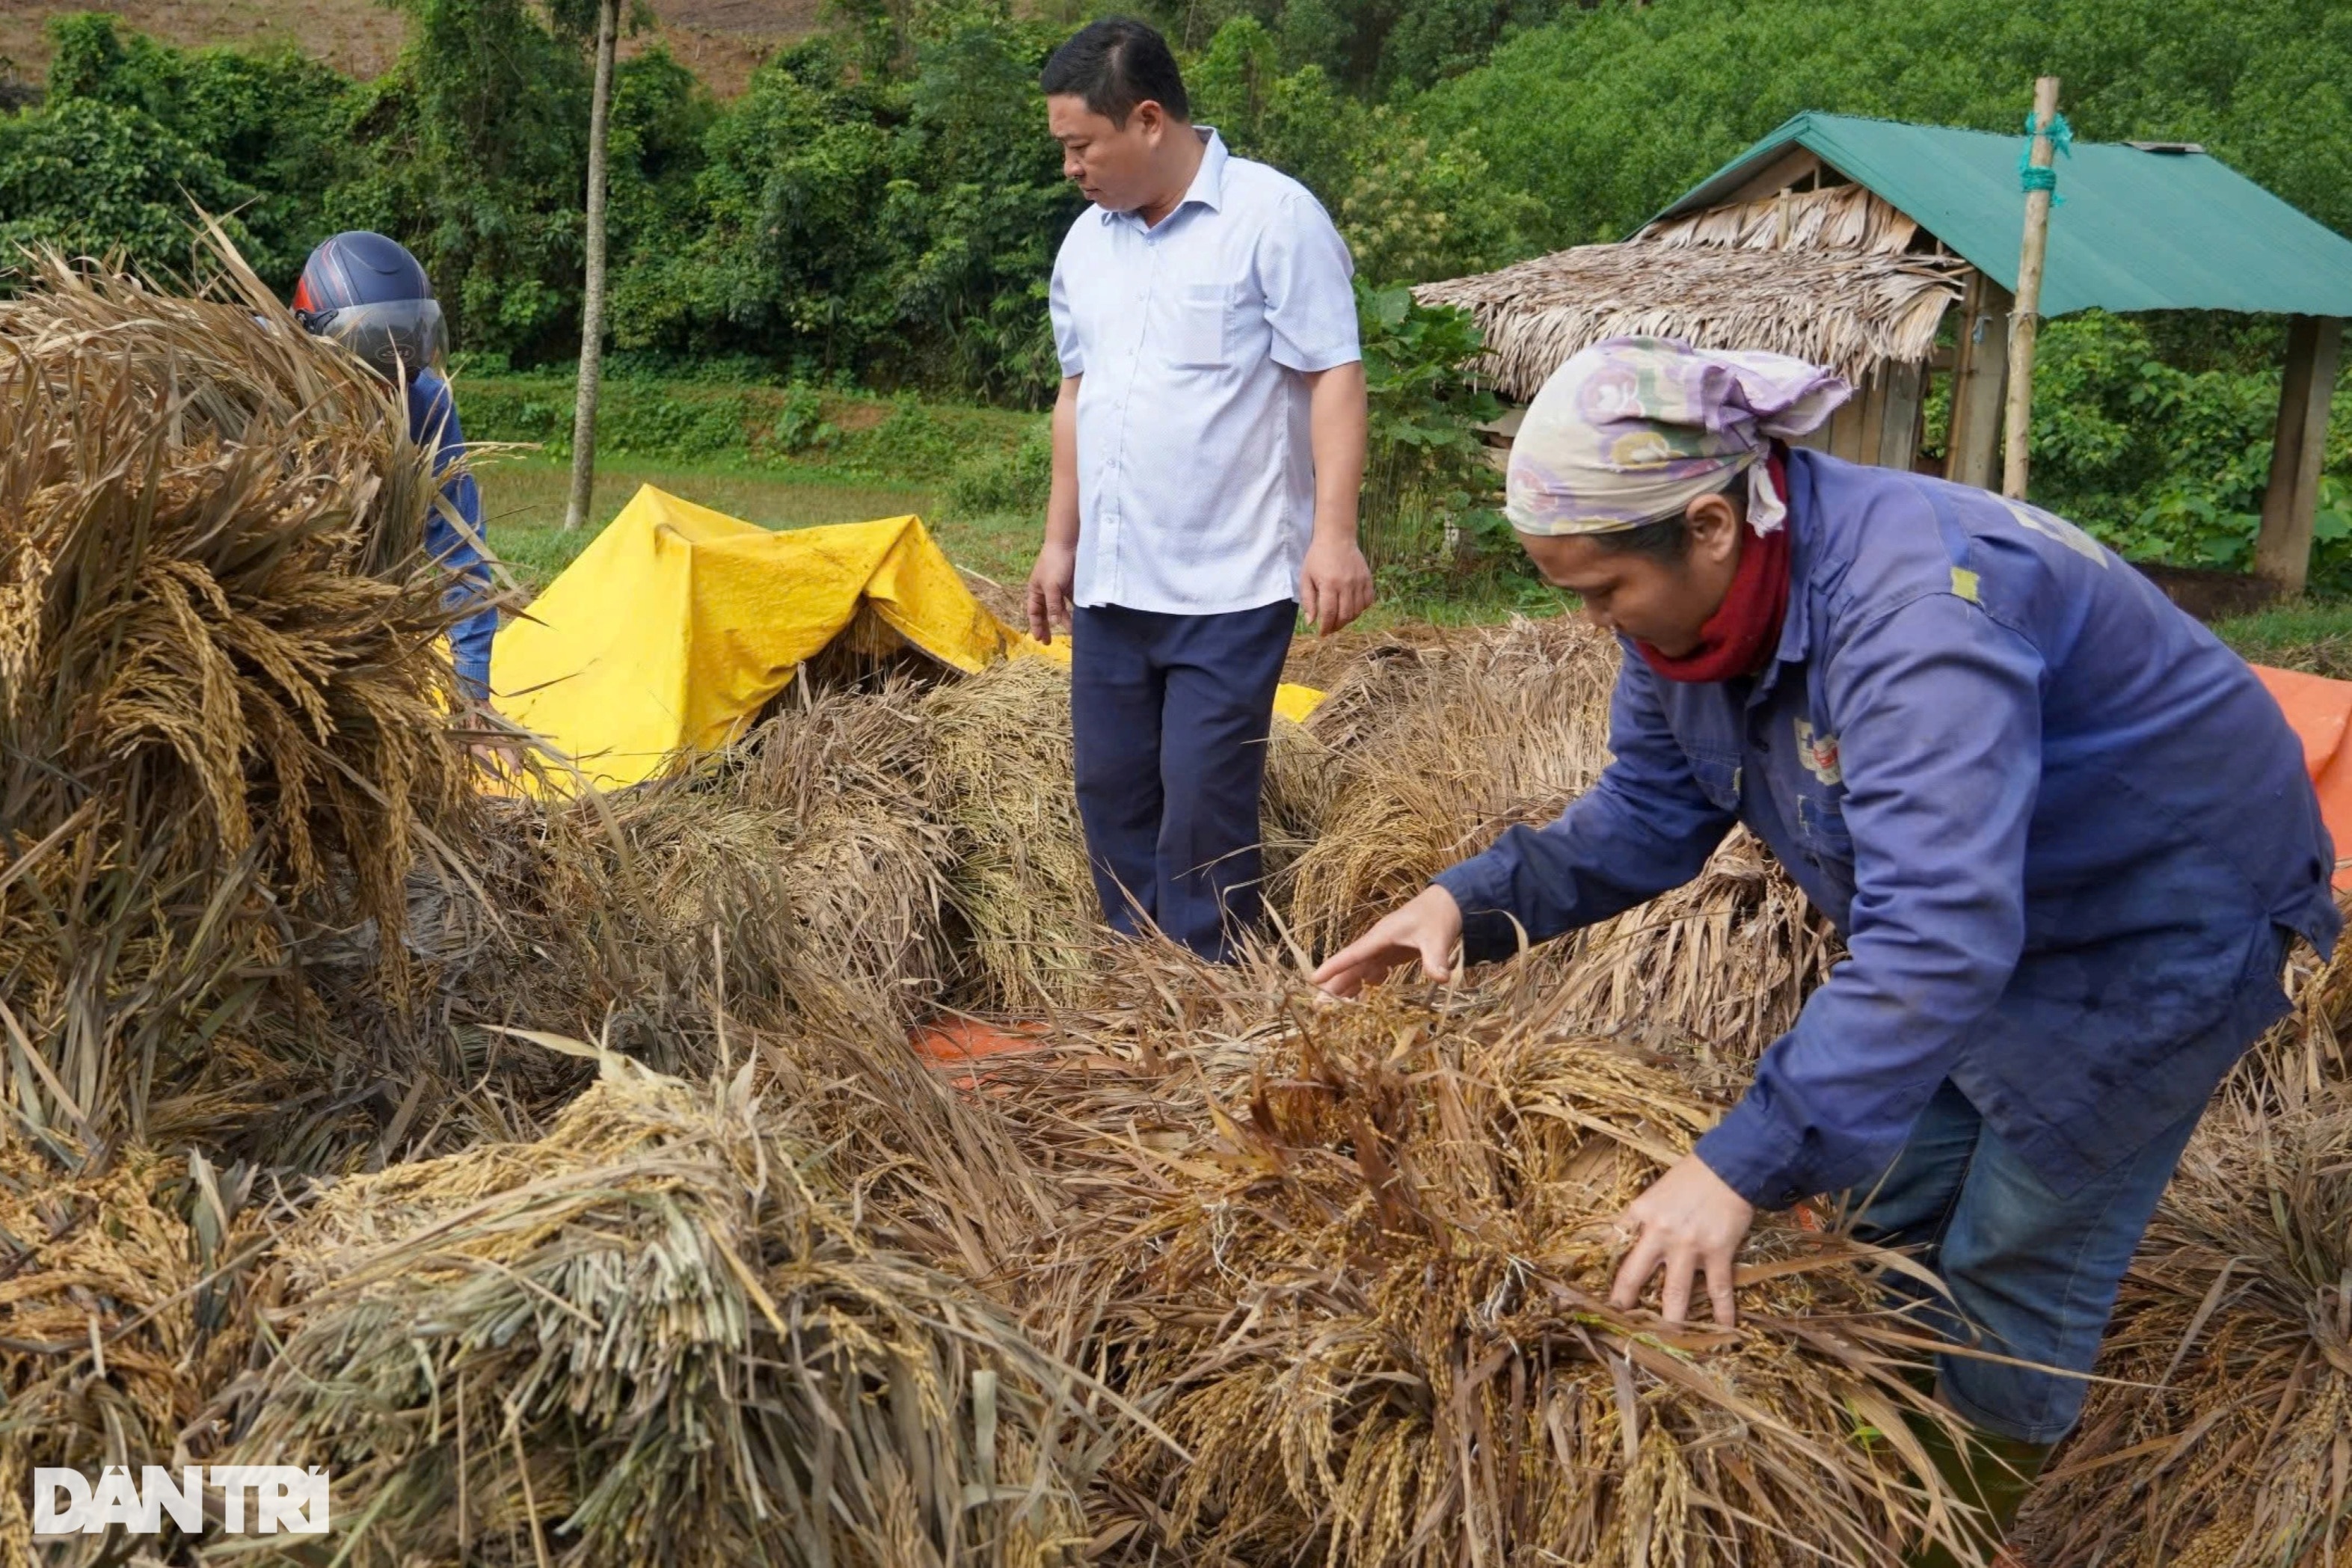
{"x": 1688, "y": 1222}
{"x": 1428, "y": 928}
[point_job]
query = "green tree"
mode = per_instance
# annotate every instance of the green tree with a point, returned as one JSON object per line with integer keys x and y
{"x": 1411, "y": 206}
{"x": 1606, "y": 115}
{"x": 274, "y": 124}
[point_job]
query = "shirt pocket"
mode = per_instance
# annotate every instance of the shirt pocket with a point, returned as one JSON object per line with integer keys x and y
{"x": 1203, "y": 314}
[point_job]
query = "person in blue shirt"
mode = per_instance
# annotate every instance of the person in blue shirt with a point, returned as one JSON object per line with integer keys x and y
{"x": 2065, "y": 831}
{"x": 368, "y": 293}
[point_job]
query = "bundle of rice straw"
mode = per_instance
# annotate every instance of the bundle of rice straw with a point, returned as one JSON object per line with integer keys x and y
{"x": 223, "y": 716}
{"x": 1001, "y": 777}
{"x": 121, "y": 1299}
{"x": 1354, "y": 1258}
{"x": 1719, "y": 967}
{"x": 867, "y": 866}
{"x": 1435, "y": 751}
{"x": 656, "y": 1336}
{"x": 2228, "y": 1441}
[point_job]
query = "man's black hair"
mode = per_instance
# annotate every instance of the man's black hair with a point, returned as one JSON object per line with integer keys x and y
{"x": 1114, "y": 65}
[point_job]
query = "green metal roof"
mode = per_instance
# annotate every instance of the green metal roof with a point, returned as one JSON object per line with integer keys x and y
{"x": 2133, "y": 230}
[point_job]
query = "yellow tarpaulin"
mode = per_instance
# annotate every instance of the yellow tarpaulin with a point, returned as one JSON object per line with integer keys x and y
{"x": 670, "y": 632}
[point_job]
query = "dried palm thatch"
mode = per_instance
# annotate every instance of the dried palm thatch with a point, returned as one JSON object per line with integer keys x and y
{"x": 1718, "y": 968}
{"x": 1851, "y": 311}
{"x": 1835, "y": 218}
{"x": 121, "y": 1296}
{"x": 656, "y": 1336}
{"x": 2228, "y": 1441}
{"x": 1001, "y": 778}
{"x": 1355, "y": 1259}
{"x": 1435, "y": 752}
{"x": 223, "y": 719}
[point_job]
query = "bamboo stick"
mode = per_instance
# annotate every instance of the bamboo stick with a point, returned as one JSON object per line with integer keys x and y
{"x": 2019, "y": 417}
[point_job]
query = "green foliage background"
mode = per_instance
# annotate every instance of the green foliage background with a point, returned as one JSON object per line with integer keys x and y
{"x": 881, "y": 208}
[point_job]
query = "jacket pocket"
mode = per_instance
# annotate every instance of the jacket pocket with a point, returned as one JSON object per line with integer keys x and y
{"x": 1718, "y": 777}
{"x": 1199, "y": 332}
{"x": 1820, "y": 826}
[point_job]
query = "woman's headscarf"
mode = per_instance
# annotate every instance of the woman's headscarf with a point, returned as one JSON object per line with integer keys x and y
{"x": 1631, "y": 430}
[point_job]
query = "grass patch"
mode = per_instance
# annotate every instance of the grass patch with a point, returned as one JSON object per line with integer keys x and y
{"x": 524, "y": 499}
{"x": 2311, "y": 634}
{"x": 830, "y": 436}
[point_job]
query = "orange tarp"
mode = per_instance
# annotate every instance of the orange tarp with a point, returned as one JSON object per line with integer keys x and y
{"x": 2319, "y": 711}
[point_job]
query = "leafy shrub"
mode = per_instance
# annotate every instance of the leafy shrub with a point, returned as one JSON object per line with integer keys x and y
{"x": 1429, "y": 488}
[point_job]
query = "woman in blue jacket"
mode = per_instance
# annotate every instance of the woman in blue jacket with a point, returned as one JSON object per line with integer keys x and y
{"x": 2066, "y": 834}
{"x": 368, "y": 293}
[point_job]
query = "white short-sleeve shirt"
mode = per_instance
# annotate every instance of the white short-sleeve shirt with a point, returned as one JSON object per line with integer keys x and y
{"x": 1196, "y": 478}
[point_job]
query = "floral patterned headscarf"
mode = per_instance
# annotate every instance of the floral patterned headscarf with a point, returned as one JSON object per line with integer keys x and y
{"x": 1632, "y": 430}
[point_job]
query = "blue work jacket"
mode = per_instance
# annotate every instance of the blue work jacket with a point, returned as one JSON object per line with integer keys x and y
{"x": 432, "y": 422}
{"x": 2061, "y": 826}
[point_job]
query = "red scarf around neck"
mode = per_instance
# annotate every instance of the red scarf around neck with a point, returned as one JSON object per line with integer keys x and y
{"x": 1740, "y": 636}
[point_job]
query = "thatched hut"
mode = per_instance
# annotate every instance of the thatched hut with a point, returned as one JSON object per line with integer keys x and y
{"x": 1848, "y": 240}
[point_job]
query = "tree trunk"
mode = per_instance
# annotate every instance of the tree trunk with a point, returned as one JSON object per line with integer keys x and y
{"x": 591, "y": 301}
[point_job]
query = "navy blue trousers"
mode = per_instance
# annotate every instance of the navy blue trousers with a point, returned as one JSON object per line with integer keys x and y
{"x": 1169, "y": 715}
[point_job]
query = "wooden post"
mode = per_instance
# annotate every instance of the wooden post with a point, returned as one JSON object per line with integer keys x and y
{"x": 592, "y": 298}
{"x": 1980, "y": 372}
{"x": 2018, "y": 421}
{"x": 2290, "y": 500}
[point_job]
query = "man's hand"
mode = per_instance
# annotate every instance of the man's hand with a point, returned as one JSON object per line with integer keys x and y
{"x": 494, "y": 744}
{"x": 1428, "y": 928}
{"x": 1689, "y": 1221}
{"x": 1334, "y": 583}
{"x": 1050, "y": 582}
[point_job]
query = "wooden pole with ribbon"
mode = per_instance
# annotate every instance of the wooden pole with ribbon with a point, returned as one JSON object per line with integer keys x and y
{"x": 2048, "y": 131}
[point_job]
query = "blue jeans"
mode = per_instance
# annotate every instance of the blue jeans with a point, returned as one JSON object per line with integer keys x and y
{"x": 1170, "y": 715}
{"x": 2033, "y": 1273}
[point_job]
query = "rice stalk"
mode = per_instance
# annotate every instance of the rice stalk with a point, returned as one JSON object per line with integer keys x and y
{"x": 658, "y": 1335}
{"x": 999, "y": 779}
{"x": 223, "y": 717}
{"x": 122, "y": 1310}
{"x": 1718, "y": 968}
{"x": 1436, "y": 752}
{"x": 1354, "y": 1259}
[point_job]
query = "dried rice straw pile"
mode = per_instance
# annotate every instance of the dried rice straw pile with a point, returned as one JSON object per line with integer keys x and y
{"x": 1430, "y": 751}
{"x": 222, "y": 713}
{"x": 121, "y": 1299}
{"x": 868, "y": 865}
{"x": 1354, "y": 1258}
{"x": 1720, "y": 966}
{"x": 657, "y": 1336}
{"x": 1000, "y": 779}
{"x": 2227, "y": 1438}
{"x": 1435, "y": 752}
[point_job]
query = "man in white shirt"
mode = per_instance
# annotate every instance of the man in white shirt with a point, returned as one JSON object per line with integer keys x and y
{"x": 1208, "y": 447}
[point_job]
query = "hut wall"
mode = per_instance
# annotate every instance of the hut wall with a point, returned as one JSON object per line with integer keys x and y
{"x": 1880, "y": 423}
